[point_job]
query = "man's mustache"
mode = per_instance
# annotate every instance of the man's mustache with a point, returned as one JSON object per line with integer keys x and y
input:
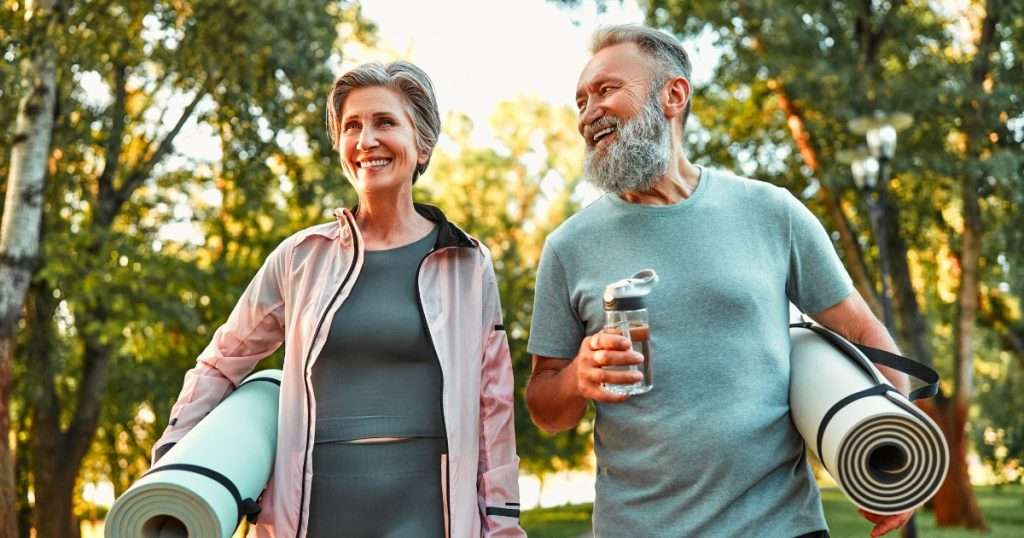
{"x": 598, "y": 125}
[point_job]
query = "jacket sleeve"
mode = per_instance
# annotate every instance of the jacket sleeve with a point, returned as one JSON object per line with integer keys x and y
{"x": 498, "y": 467}
{"x": 254, "y": 330}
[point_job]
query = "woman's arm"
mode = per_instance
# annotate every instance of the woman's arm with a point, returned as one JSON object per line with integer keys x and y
{"x": 498, "y": 466}
{"x": 254, "y": 330}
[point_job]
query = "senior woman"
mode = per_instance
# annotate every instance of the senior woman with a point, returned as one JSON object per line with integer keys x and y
{"x": 396, "y": 400}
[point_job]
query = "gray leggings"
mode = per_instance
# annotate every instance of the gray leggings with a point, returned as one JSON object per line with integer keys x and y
{"x": 377, "y": 489}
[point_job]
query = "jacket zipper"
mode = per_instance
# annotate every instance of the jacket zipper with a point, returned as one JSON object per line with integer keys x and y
{"x": 309, "y": 406}
{"x": 444, "y": 422}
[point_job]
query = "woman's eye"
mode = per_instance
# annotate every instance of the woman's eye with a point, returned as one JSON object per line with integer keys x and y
{"x": 350, "y": 126}
{"x": 386, "y": 122}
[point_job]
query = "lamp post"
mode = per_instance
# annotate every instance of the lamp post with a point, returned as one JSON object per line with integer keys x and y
{"x": 871, "y": 172}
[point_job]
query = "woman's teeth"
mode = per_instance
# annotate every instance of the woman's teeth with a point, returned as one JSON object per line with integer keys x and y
{"x": 377, "y": 163}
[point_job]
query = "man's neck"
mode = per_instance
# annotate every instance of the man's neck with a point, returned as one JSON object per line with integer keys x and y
{"x": 675, "y": 186}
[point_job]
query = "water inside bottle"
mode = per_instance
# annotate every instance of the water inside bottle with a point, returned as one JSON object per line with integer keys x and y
{"x": 640, "y": 336}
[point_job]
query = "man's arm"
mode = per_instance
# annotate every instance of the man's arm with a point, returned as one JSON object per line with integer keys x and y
{"x": 558, "y": 390}
{"x": 854, "y": 321}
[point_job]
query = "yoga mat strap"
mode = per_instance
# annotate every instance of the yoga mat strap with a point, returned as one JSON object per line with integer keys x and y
{"x": 871, "y": 391}
{"x": 257, "y": 379}
{"x": 908, "y": 366}
{"x": 927, "y": 376}
{"x": 247, "y": 508}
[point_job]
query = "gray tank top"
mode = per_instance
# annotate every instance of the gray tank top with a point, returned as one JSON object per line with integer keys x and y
{"x": 378, "y": 374}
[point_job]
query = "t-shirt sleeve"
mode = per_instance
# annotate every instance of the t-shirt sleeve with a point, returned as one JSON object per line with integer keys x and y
{"x": 817, "y": 279}
{"x": 555, "y": 330}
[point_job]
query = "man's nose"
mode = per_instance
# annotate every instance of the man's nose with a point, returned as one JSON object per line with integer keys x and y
{"x": 590, "y": 114}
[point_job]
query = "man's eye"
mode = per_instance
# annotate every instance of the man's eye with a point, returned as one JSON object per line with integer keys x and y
{"x": 606, "y": 90}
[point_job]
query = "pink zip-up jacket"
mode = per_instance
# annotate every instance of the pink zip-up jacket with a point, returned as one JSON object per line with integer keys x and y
{"x": 292, "y": 299}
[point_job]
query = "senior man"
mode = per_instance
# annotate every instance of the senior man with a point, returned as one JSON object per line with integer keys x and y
{"x": 711, "y": 450}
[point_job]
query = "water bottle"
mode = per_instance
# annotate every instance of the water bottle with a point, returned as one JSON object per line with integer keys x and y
{"x": 625, "y": 313}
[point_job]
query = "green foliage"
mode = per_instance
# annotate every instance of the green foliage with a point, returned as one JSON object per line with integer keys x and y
{"x": 511, "y": 197}
{"x": 839, "y": 61}
{"x": 146, "y": 248}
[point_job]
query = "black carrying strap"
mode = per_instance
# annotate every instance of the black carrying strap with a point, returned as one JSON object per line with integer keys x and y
{"x": 859, "y": 353}
{"x": 256, "y": 379}
{"x": 247, "y": 508}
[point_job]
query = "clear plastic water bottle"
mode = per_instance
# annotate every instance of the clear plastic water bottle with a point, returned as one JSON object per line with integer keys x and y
{"x": 625, "y": 313}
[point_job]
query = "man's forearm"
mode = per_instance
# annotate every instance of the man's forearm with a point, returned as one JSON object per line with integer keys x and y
{"x": 553, "y": 403}
{"x": 853, "y": 319}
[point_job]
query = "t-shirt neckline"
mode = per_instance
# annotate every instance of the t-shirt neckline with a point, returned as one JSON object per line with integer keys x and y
{"x": 682, "y": 205}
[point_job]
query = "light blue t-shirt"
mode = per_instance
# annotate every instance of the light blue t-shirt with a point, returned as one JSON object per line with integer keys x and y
{"x": 711, "y": 450}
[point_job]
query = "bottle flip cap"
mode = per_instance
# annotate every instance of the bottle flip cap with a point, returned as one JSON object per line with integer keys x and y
{"x": 629, "y": 293}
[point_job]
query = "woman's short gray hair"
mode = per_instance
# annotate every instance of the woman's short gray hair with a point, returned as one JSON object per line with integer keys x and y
{"x": 411, "y": 82}
{"x": 666, "y": 52}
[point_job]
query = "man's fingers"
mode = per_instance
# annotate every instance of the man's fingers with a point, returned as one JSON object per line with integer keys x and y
{"x": 885, "y": 527}
{"x": 617, "y": 358}
{"x": 607, "y": 340}
{"x": 874, "y": 518}
{"x": 885, "y": 524}
{"x": 597, "y": 376}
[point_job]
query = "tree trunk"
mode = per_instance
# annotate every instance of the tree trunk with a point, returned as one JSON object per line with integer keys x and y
{"x": 914, "y": 328}
{"x": 955, "y": 504}
{"x": 19, "y": 232}
{"x": 59, "y": 452}
{"x": 51, "y": 485}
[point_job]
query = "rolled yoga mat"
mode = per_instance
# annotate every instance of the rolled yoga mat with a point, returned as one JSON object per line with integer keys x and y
{"x": 206, "y": 483}
{"x": 886, "y": 454}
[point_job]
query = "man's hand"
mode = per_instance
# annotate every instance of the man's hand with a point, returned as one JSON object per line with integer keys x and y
{"x": 885, "y": 524}
{"x": 597, "y": 351}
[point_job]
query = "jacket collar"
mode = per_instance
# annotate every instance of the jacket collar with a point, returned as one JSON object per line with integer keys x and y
{"x": 448, "y": 234}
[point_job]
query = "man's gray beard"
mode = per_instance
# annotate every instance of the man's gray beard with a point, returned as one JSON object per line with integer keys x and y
{"x": 639, "y": 156}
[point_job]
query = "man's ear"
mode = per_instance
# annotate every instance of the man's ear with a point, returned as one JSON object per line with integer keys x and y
{"x": 677, "y": 95}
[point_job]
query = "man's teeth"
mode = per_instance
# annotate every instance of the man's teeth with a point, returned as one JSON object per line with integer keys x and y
{"x": 374, "y": 164}
{"x": 600, "y": 134}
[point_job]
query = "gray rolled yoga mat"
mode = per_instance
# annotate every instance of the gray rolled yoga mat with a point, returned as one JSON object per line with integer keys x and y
{"x": 205, "y": 484}
{"x": 885, "y": 454}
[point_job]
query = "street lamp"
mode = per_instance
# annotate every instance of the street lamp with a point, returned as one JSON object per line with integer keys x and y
{"x": 871, "y": 169}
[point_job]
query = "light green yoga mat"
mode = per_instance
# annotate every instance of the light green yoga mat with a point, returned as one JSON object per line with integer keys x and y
{"x": 235, "y": 442}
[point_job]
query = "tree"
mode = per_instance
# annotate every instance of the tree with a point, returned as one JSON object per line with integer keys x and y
{"x": 254, "y": 75}
{"x": 19, "y": 232}
{"x": 510, "y": 197}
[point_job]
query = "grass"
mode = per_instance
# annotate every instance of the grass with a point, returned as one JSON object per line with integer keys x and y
{"x": 567, "y": 521}
{"x": 1003, "y": 509}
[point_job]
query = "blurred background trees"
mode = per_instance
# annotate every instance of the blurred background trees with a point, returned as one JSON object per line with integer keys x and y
{"x": 144, "y": 246}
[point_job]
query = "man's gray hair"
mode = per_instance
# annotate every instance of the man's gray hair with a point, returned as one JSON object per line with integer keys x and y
{"x": 667, "y": 53}
{"x": 411, "y": 82}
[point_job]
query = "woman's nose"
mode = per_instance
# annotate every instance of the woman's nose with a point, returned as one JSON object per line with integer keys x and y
{"x": 367, "y": 139}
